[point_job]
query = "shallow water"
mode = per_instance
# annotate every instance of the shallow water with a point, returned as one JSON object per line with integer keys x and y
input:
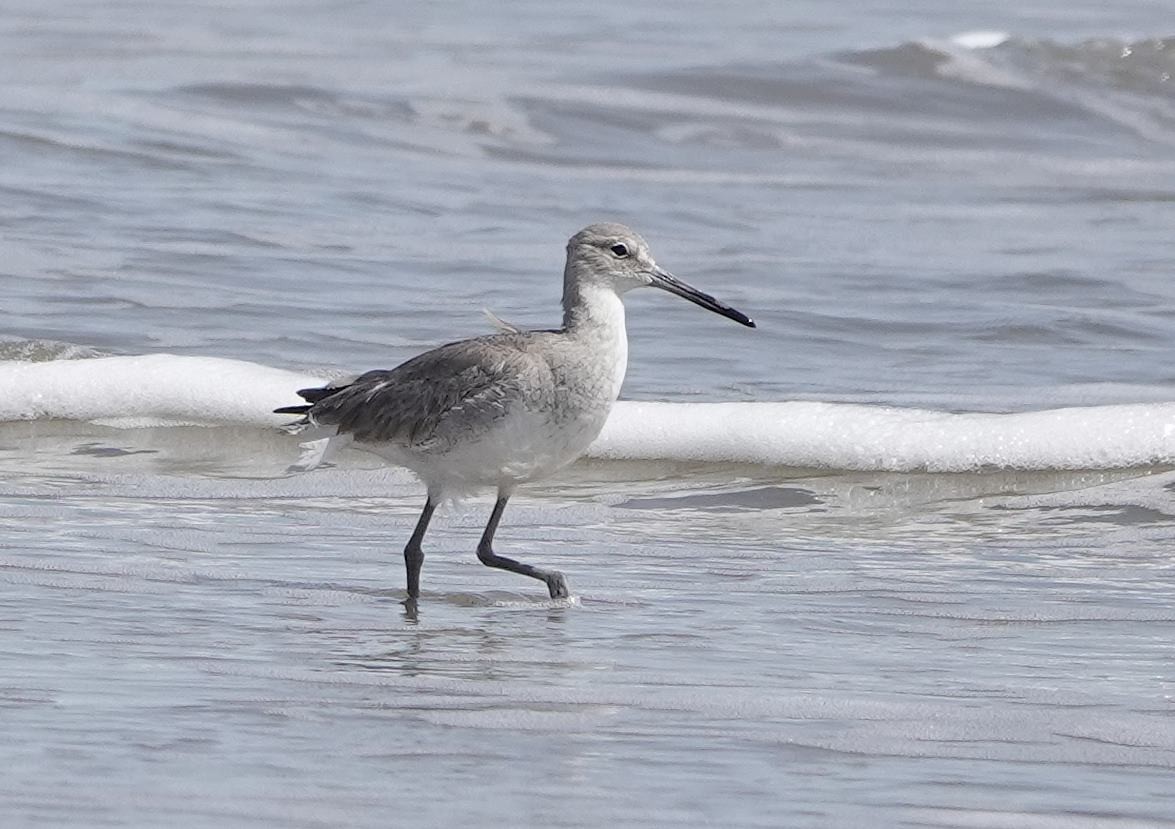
{"x": 191, "y": 634}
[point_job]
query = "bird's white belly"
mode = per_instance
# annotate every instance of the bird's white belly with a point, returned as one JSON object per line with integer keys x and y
{"x": 521, "y": 446}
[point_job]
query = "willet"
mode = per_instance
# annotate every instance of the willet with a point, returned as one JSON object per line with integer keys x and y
{"x": 509, "y": 408}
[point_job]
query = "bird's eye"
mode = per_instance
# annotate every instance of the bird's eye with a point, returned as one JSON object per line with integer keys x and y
{"x": 621, "y": 251}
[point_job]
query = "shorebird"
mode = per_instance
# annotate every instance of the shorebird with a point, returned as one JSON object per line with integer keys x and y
{"x": 509, "y": 408}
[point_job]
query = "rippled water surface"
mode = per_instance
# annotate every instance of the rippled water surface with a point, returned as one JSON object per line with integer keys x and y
{"x": 921, "y": 205}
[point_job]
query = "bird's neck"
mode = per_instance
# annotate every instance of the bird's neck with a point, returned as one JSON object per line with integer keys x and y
{"x": 593, "y": 317}
{"x": 592, "y": 311}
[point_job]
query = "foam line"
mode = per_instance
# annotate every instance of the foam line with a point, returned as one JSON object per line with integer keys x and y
{"x": 860, "y": 437}
{"x": 150, "y": 390}
{"x": 164, "y": 389}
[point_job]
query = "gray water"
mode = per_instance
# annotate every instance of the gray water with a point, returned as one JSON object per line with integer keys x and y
{"x": 189, "y": 636}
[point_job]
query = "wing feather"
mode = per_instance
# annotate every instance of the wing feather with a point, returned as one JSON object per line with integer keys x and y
{"x": 439, "y": 396}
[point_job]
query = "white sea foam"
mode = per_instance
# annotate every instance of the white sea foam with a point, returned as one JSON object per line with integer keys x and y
{"x": 149, "y": 390}
{"x": 883, "y": 438}
{"x": 160, "y": 390}
{"x": 981, "y": 39}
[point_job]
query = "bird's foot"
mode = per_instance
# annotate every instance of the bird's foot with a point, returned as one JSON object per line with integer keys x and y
{"x": 557, "y": 584}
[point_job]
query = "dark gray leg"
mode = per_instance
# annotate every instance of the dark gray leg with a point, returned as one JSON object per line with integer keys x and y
{"x": 556, "y": 584}
{"x": 413, "y": 554}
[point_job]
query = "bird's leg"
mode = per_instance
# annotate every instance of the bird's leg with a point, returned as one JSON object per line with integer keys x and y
{"x": 556, "y": 583}
{"x": 413, "y": 554}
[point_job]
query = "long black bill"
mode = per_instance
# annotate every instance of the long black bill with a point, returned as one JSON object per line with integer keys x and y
{"x": 668, "y": 282}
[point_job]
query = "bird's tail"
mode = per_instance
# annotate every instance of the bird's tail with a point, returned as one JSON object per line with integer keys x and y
{"x": 324, "y": 442}
{"x": 312, "y": 396}
{"x": 298, "y": 410}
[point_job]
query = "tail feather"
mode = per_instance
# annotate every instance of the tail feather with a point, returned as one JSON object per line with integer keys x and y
{"x": 311, "y": 396}
{"x": 298, "y": 410}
